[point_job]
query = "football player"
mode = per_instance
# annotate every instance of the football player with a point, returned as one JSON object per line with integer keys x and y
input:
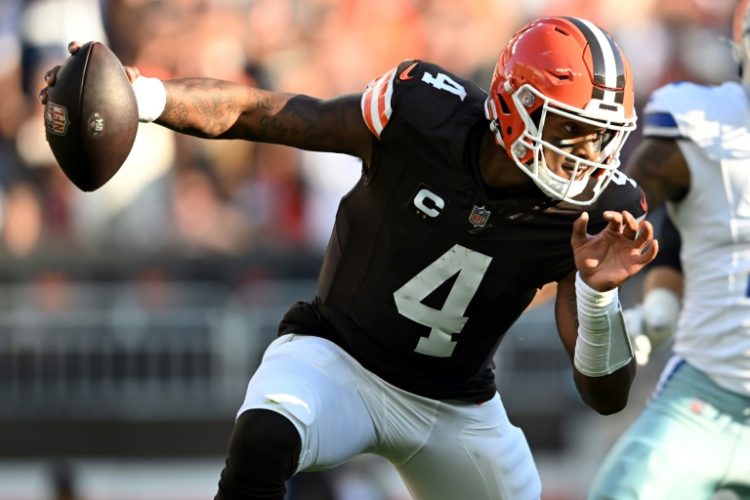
{"x": 693, "y": 437}
{"x": 467, "y": 204}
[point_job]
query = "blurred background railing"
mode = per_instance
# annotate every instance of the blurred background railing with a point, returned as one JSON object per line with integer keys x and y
{"x": 138, "y": 351}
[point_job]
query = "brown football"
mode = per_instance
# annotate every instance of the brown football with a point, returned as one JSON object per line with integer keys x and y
{"x": 91, "y": 116}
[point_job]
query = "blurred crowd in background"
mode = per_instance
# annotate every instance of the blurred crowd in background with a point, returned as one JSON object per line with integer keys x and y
{"x": 178, "y": 195}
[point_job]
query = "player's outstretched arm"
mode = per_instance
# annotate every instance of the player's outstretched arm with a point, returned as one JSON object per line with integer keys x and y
{"x": 210, "y": 108}
{"x": 219, "y": 109}
{"x": 588, "y": 312}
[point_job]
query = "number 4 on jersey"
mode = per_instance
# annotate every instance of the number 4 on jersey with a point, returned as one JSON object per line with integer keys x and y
{"x": 470, "y": 267}
{"x": 445, "y": 82}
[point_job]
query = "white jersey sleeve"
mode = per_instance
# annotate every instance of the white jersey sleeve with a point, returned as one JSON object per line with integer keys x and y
{"x": 700, "y": 114}
{"x": 712, "y": 125}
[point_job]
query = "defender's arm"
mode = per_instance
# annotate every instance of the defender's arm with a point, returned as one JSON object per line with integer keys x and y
{"x": 659, "y": 167}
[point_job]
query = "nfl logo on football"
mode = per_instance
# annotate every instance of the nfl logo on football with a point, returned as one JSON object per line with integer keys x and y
{"x": 56, "y": 118}
{"x": 479, "y": 217}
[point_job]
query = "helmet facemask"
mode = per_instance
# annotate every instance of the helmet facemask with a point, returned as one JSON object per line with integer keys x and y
{"x": 527, "y": 151}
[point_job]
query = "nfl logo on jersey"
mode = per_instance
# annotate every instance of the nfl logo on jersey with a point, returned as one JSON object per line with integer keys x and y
{"x": 479, "y": 217}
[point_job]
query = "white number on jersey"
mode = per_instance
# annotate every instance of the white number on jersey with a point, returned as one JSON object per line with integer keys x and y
{"x": 619, "y": 178}
{"x": 471, "y": 267}
{"x": 445, "y": 82}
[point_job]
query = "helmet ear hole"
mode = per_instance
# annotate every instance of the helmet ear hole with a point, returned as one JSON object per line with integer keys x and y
{"x": 503, "y": 104}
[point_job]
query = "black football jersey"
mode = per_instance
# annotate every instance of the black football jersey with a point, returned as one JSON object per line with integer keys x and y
{"x": 427, "y": 268}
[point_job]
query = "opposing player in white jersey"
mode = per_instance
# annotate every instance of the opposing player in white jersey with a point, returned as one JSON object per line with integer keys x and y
{"x": 693, "y": 437}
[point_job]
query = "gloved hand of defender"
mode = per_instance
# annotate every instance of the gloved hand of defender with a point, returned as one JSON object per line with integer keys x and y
{"x": 652, "y": 324}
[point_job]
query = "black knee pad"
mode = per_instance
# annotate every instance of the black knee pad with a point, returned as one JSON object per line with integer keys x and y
{"x": 263, "y": 453}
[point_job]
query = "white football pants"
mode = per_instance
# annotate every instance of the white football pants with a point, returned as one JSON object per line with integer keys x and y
{"x": 442, "y": 450}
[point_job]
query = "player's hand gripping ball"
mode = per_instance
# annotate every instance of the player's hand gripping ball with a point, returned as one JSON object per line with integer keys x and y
{"x": 91, "y": 116}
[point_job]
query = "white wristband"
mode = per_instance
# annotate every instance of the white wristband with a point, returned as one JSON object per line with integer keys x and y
{"x": 151, "y": 96}
{"x": 602, "y": 346}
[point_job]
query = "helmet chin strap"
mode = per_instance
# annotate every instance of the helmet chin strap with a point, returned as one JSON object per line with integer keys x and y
{"x": 497, "y": 134}
{"x": 560, "y": 184}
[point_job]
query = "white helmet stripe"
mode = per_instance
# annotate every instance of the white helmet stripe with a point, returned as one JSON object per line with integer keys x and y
{"x": 609, "y": 69}
{"x": 604, "y": 47}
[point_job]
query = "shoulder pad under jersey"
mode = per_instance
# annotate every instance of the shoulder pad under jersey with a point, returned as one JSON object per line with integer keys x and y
{"x": 421, "y": 93}
{"x": 622, "y": 193}
{"x": 704, "y": 114}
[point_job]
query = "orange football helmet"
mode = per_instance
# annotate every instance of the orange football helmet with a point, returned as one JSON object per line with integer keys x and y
{"x": 570, "y": 67}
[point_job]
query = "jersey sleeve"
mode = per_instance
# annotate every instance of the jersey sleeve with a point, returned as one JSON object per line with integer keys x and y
{"x": 377, "y": 100}
{"x": 417, "y": 92}
{"x": 622, "y": 194}
{"x": 698, "y": 113}
{"x": 660, "y": 111}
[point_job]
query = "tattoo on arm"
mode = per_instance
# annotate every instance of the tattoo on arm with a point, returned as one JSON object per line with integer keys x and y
{"x": 218, "y": 109}
{"x": 200, "y": 106}
{"x": 177, "y": 114}
{"x": 309, "y": 123}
